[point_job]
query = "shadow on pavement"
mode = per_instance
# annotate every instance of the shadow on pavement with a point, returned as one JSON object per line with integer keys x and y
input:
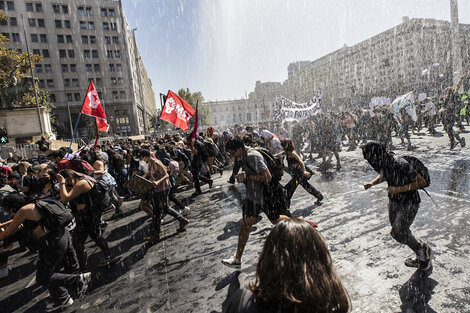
{"x": 233, "y": 283}
{"x": 416, "y": 292}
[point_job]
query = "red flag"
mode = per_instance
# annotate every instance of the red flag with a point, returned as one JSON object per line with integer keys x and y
{"x": 92, "y": 106}
{"x": 176, "y": 111}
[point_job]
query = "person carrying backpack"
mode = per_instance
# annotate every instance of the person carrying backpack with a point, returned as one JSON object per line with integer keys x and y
{"x": 200, "y": 156}
{"x": 256, "y": 178}
{"x": 403, "y": 183}
{"x": 49, "y": 227}
{"x": 78, "y": 189}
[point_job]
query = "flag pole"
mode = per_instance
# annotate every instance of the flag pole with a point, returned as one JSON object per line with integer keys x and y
{"x": 74, "y": 131}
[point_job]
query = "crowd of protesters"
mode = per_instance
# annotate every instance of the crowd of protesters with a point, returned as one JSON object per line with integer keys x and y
{"x": 73, "y": 181}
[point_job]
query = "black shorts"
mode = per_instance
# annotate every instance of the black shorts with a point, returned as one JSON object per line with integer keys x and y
{"x": 251, "y": 209}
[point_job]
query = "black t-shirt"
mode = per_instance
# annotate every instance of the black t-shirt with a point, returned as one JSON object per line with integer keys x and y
{"x": 401, "y": 173}
{"x": 244, "y": 301}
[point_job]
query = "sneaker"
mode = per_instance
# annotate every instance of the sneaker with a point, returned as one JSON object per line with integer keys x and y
{"x": 462, "y": 142}
{"x": 4, "y": 272}
{"x": 51, "y": 307}
{"x": 196, "y": 193}
{"x": 108, "y": 262}
{"x": 232, "y": 261}
{"x": 410, "y": 262}
{"x": 453, "y": 144}
{"x": 185, "y": 211}
{"x": 84, "y": 281}
{"x": 231, "y": 180}
{"x": 183, "y": 223}
{"x": 211, "y": 182}
{"x": 319, "y": 199}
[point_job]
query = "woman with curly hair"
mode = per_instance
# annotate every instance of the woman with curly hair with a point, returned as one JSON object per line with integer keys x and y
{"x": 295, "y": 273}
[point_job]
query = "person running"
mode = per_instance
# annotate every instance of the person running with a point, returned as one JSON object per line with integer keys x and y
{"x": 403, "y": 184}
{"x": 300, "y": 173}
{"x": 255, "y": 177}
{"x": 54, "y": 245}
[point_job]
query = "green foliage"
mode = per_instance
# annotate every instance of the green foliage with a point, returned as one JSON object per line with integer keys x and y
{"x": 16, "y": 85}
{"x": 192, "y": 98}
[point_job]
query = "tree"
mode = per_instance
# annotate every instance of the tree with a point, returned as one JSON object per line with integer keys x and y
{"x": 192, "y": 98}
{"x": 16, "y": 87}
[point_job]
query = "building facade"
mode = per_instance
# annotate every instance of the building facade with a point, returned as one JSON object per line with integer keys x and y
{"x": 421, "y": 55}
{"x": 80, "y": 41}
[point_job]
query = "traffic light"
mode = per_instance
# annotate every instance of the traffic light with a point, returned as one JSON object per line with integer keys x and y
{"x": 3, "y": 135}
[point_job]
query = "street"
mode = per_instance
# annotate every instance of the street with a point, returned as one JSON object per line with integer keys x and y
{"x": 184, "y": 273}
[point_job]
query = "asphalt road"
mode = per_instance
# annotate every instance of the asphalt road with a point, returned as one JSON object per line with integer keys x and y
{"x": 184, "y": 273}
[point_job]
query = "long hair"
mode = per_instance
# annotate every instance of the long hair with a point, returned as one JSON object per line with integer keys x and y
{"x": 288, "y": 145}
{"x": 68, "y": 173}
{"x": 295, "y": 269}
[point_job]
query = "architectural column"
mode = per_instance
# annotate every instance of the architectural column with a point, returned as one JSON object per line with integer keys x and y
{"x": 455, "y": 40}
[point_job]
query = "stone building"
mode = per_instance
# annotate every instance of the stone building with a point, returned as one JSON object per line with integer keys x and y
{"x": 420, "y": 55}
{"x": 82, "y": 40}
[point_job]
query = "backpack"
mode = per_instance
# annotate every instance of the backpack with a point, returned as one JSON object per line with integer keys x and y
{"x": 275, "y": 166}
{"x": 211, "y": 148}
{"x": 419, "y": 167}
{"x": 101, "y": 195}
{"x": 203, "y": 153}
{"x": 54, "y": 214}
{"x": 78, "y": 165}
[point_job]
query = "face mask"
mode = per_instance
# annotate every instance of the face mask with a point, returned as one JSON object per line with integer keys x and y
{"x": 43, "y": 181}
{"x": 144, "y": 166}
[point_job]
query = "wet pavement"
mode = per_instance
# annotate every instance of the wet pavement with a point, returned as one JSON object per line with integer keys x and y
{"x": 184, "y": 273}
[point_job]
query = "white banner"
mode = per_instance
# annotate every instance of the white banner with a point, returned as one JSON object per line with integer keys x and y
{"x": 286, "y": 110}
{"x": 407, "y": 101}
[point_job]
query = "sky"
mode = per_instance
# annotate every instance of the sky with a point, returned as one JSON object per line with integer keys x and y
{"x": 222, "y": 47}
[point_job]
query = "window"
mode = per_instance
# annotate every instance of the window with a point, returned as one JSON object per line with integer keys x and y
{"x": 91, "y": 25}
{"x": 120, "y": 81}
{"x": 11, "y": 5}
{"x": 82, "y": 25}
{"x": 94, "y": 53}
{"x": 38, "y": 68}
{"x": 73, "y": 68}
{"x": 118, "y": 68}
{"x": 86, "y": 54}
{"x": 113, "y": 26}
{"x": 89, "y": 11}
{"x": 69, "y": 97}
{"x": 65, "y": 9}
{"x": 6, "y": 35}
{"x": 105, "y": 25}
{"x": 13, "y": 21}
{"x": 62, "y": 53}
{"x": 75, "y": 82}
{"x": 29, "y": 7}
{"x": 38, "y": 7}
{"x": 107, "y": 39}
{"x": 42, "y": 83}
{"x": 2, "y": 6}
{"x": 68, "y": 38}
{"x": 67, "y": 24}
{"x": 117, "y": 54}
{"x": 111, "y": 67}
{"x": 3, "y": 21}
{"x": 115, "y": 94}
{"x": 43, "y": 37}
{"x": 71, "y": 53}
{"x": 113, "y": 81}
{"x": 56, "y": 8}
{"x": 36, "y": 51}
{"x": 104, "y": 12}
{"x": 111, "y": 12}
{"x": 67, "y": 82}
{"x": 41, "y": 22}
{"x": 47, "y": 68}
{"x": 109, "y": 53}
{"x": 96, "y": 67}
{"x": 100, "y": 94}
{"x": 50, "y": 83}
{"x": 88, "y": 68}
{"x": 122, "y": 94}
{"x": 15, "y": 37}
{"x": 58, "y": 24}
{"x": 81, "y": 11}
{"x": 116, "y": 40}
{"x": 92, "y": 39}
{"x": 76, "y": 96}
{"x": 31, "y": 22}
{"x": 98, "y": 82}
{"x": 65, "y": 68}
{"x": 34, "y": 38}
{"x": 52, "y": 96}
{"x": 60, "y": 38}
{"x": 84, "y": 39}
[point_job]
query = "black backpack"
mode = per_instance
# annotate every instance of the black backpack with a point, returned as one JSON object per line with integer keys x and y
{"x": 275, "y": 166}
{"x": 419, "y": 167}
{"x": 54, "y": 214}
{"x": 100, "y": 193}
